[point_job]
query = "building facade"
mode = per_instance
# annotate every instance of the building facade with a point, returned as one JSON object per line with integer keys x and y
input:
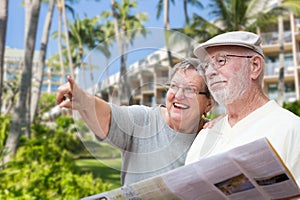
{"x": 147, "y": 77}
{"x": 13, "y": 65}
{"x": 14, "y": 62}
{"x": 291, "y": 59}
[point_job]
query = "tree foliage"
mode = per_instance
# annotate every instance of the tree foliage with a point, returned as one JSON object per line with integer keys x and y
{"x": 293, "y": 107}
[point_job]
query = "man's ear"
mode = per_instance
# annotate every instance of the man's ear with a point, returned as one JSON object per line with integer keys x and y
{"x": 256, "y": 66}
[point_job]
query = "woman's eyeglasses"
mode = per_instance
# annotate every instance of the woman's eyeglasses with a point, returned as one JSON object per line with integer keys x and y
{"x": 187, "y": 91}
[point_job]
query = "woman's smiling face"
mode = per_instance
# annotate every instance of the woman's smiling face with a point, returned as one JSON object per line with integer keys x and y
{"x": 183, "y": 108}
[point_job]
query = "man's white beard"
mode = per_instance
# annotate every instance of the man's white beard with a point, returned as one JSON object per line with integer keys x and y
{"x": 237, "y": 86}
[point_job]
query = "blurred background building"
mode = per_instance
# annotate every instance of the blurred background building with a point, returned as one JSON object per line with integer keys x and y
{"x": 148, "y": 76}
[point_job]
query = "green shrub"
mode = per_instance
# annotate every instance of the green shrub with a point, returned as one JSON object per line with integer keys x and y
{"x": 5, "y": 123}
{"x": 44, "y": 167}
{"x": 293, "y": 107}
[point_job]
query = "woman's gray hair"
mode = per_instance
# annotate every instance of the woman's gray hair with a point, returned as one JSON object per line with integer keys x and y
{"x": 188, "y": 63}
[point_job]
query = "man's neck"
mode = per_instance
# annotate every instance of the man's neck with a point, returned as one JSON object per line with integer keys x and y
{"x": 242, "y": 107}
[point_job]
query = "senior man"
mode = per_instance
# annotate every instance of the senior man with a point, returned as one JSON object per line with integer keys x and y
{"x": 234, "y": 76}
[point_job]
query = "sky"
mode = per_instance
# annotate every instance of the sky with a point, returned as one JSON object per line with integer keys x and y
{"x": 16, "y": 16}
{"x": 91, "y": 8}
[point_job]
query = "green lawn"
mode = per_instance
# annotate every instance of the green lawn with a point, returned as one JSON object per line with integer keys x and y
{"x": 106, "y": 169}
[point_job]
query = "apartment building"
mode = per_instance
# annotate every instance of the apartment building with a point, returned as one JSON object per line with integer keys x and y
{"x": 291, "y": 59}
{"x": 147, "y": 77}
{"x": 14, "y": 62}
{"x": 147, "y": 80}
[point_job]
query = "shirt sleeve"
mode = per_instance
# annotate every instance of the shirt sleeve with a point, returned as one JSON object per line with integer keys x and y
{"x": 124, "y": 122}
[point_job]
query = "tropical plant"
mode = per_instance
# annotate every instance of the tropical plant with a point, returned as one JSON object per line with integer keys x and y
{"x": 195, "y": 3}
{"x": 46, "y": 102}
{"x": 10, "y": 94}
{"x": 126, "y": 27}
{"x": 3, "y": 25}
{"x": 5, "y": 122}
{"x": 59, "y": 42}
{"x": 166, "y": 5}
{"x": 21, "y": 115}
{"x": 233, "y": 15}
{"x": 293, "y": 107}
{"x": 36, "y": 88}
{"x": 84, "y": 35}
{"x": 62, "y": 10}
{"x": 44, "y": 167}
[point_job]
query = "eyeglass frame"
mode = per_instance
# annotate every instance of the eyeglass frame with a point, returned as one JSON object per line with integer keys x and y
{"x": 225, "y": 60}
{"x": 174, "y": 91}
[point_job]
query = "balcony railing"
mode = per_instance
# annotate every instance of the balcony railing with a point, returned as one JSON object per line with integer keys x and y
{"x": 272, "y": 69}
{"x": 272, "y": 38}
{"x": 288, "y": 96}
{"x": 148, "y": 87}
{"x": 162, "y": 80}
{"x": 136, "y": 91}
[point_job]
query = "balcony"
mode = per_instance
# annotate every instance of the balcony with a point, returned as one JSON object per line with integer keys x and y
{"x": 298, "y": 59}
{"x": 136, "y": 92}
{"x": 297, "y": 25}
{"x": 148, "y": 87}
{"x": 272, "y": 69}
{"x": 162, "y": 81}
{"x": 272, "y": 38}
{"x": 288, "y": 96}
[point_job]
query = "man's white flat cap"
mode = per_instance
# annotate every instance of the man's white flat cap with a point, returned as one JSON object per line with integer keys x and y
{"x": 235, "y": 38}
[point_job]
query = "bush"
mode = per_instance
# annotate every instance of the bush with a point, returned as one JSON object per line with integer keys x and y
{"x": 44, "y": 168}
{"x": 293, "y": 107}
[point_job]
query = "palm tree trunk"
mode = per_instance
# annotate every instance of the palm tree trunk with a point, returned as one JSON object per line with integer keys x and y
{"x": 67, "y": 38}
{"x": 167, "y": 28}
{"x": 3, "y": 25}
{"x": 280, "y": 98}
{"x": 121, "y": 51}
{"x": 61, "y": 60}
{"x": 20, "y": 122}
{"x": 186, "y": 16}
{"x": 36, "y": 90}
{"x": 82, "y": 67}
{"x": 91, "y": 75}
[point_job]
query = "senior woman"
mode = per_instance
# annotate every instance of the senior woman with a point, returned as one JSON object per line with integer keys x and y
{"x": 153, "y": 140}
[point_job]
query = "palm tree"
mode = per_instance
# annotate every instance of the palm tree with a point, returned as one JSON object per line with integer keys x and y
{"x": 196, "y": 3}
{"x": 108, "y": 30}
{"x": 3, "y": 25}
{"x": 21, "y": 115}
{"x": 123, "y": 24}
{"x": 62, "y": 20}
{"x": 84, "y": 35}
{"x": 67, "y": 38}
{"x": 10, "y": 93}
{"x": 166, "y": 5}
{"x": 59, "y": 41}
{"x": 233, "y": 15}
{"x": 36, "y": 89}
{"x": 280, "y": 97}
